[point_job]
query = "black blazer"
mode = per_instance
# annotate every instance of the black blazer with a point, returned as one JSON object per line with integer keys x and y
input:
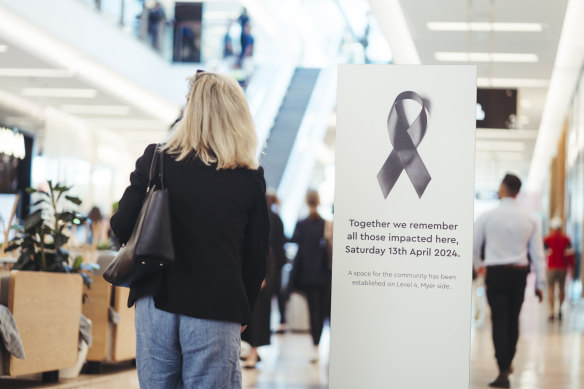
{"x": 311, "y": 262}
{"x": 220, "y": 229}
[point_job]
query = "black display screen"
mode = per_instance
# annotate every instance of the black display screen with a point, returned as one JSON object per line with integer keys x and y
{"x": 496, "y": 108}
{"x": 16, "y": 165}
{"x": 187, "y": 32}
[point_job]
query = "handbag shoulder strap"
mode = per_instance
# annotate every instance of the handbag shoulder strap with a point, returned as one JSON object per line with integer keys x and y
{"x": 157, "y": 159}
{"x": 152, "y": 167}
{"x": 161, "y": 169}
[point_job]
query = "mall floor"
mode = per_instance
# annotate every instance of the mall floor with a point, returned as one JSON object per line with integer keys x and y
{"x": 550, "y": 356}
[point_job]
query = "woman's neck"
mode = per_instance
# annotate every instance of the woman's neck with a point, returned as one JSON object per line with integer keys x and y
{"x": 313, "y": 214}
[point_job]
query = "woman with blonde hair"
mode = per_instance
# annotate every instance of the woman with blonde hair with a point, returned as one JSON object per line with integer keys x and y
{"x": 189, "y": 316}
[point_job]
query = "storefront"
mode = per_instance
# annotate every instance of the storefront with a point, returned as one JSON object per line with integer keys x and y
{"x": 574, "y": 181}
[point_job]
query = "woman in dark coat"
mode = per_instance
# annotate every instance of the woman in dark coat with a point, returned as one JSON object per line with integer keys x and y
{"x": 189, "y": 316}
{"x": 259, "y": 331}
{"x": 311, "y": 273}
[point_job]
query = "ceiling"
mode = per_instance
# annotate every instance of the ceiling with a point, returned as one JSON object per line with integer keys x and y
{"x": 530, "y": 78}
{"x": 492, "y": 159}
{"x": 102, "y": 110}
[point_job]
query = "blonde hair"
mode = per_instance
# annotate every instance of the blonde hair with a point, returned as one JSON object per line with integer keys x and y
{"x": 216, "y": 125}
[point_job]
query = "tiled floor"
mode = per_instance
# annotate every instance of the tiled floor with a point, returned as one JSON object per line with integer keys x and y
{"x": 550, "y": 356}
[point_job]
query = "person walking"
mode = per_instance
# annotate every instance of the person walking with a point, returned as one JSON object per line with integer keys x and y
{"x": 311, "y": 273}
{"x": 243, "y": 21}
{"x": 259, "y": 332}
{"x": 512, "y": 242}
{"x": 156, "y": 25}
{"x": 277, "y": 241}
{"x": 560, "y": 257}
{"x": 189, "y": 316}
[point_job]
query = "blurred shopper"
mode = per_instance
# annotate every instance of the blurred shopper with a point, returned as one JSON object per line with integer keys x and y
{"x": 328, "y": 241}
{"x": 243, "y": 21}
{"x": 190, "y": 316}
{"x": 95, "y": 218}
{"x": 113, "y": 239}
{"x": 511, "y": 239}
{"x": 560, "y": 257}
{"x": 277, "y": 240}
{"x": 156, "y": 25}
{"x": 258, "y": 332}
{"x": 311, "y": 273}
{"x": 247, "y": 42}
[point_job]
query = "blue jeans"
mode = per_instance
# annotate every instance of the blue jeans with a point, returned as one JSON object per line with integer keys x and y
{"x": 177, "y": 351}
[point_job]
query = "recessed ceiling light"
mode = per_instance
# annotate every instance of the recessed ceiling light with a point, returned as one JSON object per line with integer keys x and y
{"x": 456, "y": 56}
{"x": 3, "y": 48}
{"x": 96, "y": 109}
{"x": 60, "y": 92}
{"x": 481, "y": 26}
{"x": 141, "y": 134}
{"x": 127, "y": 124}
{"x": 514, "y": 57}
{"x": 510, "y": 156}
{"x": 38, "y": 72}
{"x": 512, "y": 82}
{"x": 486, "y": 145}
{"x": 493, "y": 133}
{"x": 483, "y": 155}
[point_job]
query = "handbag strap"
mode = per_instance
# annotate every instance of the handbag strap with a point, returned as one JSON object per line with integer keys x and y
{"x": 161, "y": 170}
{"x": 157, "y": 153}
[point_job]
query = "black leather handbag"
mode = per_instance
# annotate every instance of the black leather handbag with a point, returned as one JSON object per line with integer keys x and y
{"x": 150, "y": 247}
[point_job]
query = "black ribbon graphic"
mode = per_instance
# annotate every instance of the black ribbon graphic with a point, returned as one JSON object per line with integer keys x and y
{"x": 405, "y": 139}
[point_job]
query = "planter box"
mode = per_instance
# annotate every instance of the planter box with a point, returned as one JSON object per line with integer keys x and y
{"x": 124, "y": 334}
{"x": 46, "y": 308}
{"x": 95, "y": 309}
{"x": 110, "y": 342}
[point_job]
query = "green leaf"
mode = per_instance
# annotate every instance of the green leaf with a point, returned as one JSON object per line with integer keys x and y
{"x": 74, "y": 200}
{"x": 47, "y": 230}
{"x": 66, "y": 216}
{"x": 12, "y": 247}
{"x": 61, "y": 188}
{"x": 60, "y": 239}
{"x": 77, "y": 263}
{"x": 39, "y": 202}
{"x": 30, "y": 190}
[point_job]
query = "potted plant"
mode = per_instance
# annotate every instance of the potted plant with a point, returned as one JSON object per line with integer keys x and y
{"x": 41, "y": 240}
{"x": 45, "y": 232}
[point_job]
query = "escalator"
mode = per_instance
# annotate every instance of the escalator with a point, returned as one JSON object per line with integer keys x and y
{"x": 287, "y": 123}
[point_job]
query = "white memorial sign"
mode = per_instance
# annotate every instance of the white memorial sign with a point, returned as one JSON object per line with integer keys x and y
{"x": 401, "y": 305}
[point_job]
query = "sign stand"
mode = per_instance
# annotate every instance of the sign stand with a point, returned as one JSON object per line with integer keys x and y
{"x": 401, "y": 303}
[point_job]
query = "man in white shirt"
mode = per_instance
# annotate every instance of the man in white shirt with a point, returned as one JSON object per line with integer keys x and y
{"x": 512, "y": 241}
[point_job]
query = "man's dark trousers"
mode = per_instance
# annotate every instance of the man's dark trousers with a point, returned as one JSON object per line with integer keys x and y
{"x": 505, "y": 292}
